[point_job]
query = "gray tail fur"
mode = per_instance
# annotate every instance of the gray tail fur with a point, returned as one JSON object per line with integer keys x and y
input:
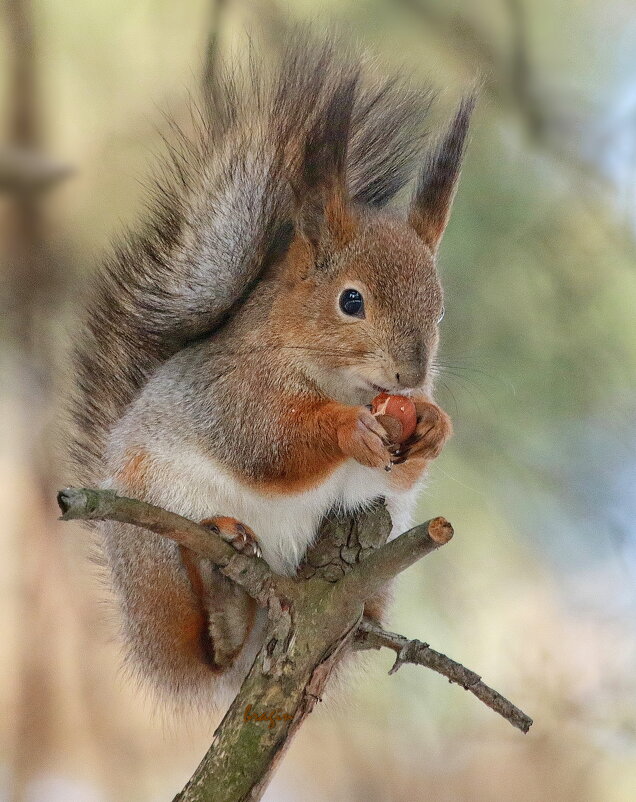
{"x": 221, "y": 210}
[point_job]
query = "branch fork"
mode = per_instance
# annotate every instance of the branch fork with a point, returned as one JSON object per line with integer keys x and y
{"x": 314, "y": 619}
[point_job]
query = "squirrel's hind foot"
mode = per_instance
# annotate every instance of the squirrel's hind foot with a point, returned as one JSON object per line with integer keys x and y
{"x": 237, "y": 534}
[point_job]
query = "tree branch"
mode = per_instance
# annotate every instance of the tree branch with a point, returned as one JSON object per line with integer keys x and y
{"x": 373, "y": 573}
{"x": 209, "y": 79}
{"x": 312, "y": 621}
{"x": 372, "y": 636}
{"x": 251, "y": 573}
{"x": 24, "y": 170}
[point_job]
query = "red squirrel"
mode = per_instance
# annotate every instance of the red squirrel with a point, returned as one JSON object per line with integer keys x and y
{"x": 232, "y": 347}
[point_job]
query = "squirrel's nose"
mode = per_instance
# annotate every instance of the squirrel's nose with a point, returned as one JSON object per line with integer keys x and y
{"x": 411, "y": 372}
{"x": 410, "y": 378}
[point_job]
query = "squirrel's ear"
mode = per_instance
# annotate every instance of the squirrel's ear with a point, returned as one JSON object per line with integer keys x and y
{"x": 322, "y": 200}
{"x": 438, "y": 179}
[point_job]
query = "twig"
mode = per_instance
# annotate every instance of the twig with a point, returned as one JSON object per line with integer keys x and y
{"x": 372, "y": 574}
{"x": 373, "y": 636}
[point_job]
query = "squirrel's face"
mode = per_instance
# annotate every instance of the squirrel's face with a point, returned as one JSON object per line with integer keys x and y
{"x": 364, "y": 318}
{"x": 362, "y": 301}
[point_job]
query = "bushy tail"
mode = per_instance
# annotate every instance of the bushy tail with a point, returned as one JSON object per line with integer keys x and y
{"x": 221, "y": 211}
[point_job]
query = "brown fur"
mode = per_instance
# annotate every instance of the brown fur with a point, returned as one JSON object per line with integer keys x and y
{"x": 271, "y": 124}
{"x": 134, "y": 474}
{"x": 216, "y": 340}
{"x": 331, "y": 432}
{"x": 406, "y": 475}
{"x": 377, "y": 606}
{"x": 219, "y": 647}
{"x": 196, "y": 627}
{"x": 435, "y": 192}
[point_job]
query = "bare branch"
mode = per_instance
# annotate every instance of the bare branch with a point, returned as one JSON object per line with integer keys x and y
{"x": 271, "y": 705}
{"x": 23, "y": 170}
{"x": 251, "y": 573}
{"x": 373, "y": 573}
{"x": 372, "y": 636}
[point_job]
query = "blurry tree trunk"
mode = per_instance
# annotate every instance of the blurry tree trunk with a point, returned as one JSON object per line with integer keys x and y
{"x": 54, "y": 712}
{"x": 25, "y": 243}
{"x": 31, "y": 275}
{"x": 28, "y": 283}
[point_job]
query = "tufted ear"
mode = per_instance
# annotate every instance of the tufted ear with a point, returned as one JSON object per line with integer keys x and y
{"x": 323, "y": 216}
{"x": 437, "y": 183}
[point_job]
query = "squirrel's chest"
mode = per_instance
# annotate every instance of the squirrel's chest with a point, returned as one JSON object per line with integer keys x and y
{"x": 285, "y": 523}
{"x": 288, "y": 522}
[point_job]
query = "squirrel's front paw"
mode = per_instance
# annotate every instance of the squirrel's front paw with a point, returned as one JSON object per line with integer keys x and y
{"x": 361, "y": 436}
{"x": 433, "y": 430}
{"x": 238, "y": 535}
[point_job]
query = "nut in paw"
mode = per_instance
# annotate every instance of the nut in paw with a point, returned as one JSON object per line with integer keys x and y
{"x": 433, "y": 429}
{"x": 362, "y": 437}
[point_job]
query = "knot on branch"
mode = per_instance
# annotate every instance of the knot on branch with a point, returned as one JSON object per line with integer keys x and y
{"x": 407, "y": 654}
{"x": 343, "y": 541}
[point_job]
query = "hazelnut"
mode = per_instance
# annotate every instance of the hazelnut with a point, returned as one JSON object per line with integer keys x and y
{"x": 397, "y": 415}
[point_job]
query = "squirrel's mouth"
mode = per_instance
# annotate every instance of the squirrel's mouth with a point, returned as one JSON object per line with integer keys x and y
{"x": 378, "y": 388}
{"x": 365, "y": 384}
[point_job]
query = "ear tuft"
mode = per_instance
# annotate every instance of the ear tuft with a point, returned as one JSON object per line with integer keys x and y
{"x": 323, "y": 214}
{"x": 437, "y": 183}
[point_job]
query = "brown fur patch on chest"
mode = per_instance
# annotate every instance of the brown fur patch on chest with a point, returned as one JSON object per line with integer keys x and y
{"x": 134, "y": 474}
{"x": 309, "y": 447}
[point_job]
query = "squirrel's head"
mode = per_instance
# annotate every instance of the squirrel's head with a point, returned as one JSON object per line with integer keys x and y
{"x": 363, "y": 301}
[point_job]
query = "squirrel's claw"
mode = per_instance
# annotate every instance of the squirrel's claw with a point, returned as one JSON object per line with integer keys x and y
{"x": 237, "y": 534}
{"x": 433, "y": 430}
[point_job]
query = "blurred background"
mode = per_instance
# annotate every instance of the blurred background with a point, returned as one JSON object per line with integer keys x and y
{"x": 537, "y": 592}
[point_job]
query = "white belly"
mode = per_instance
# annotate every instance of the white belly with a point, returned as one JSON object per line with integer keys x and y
{"x": 285, "y": 525}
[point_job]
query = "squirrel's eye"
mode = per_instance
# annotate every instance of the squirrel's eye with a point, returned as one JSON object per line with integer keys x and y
{"x": 352, "y": 303}
{"x": 441, "y": 316}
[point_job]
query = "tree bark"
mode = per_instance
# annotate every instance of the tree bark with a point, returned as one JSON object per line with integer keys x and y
{"x": 313, "y": 621}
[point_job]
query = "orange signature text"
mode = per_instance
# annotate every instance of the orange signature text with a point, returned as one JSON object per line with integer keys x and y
{"x": 272, "y": 716}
